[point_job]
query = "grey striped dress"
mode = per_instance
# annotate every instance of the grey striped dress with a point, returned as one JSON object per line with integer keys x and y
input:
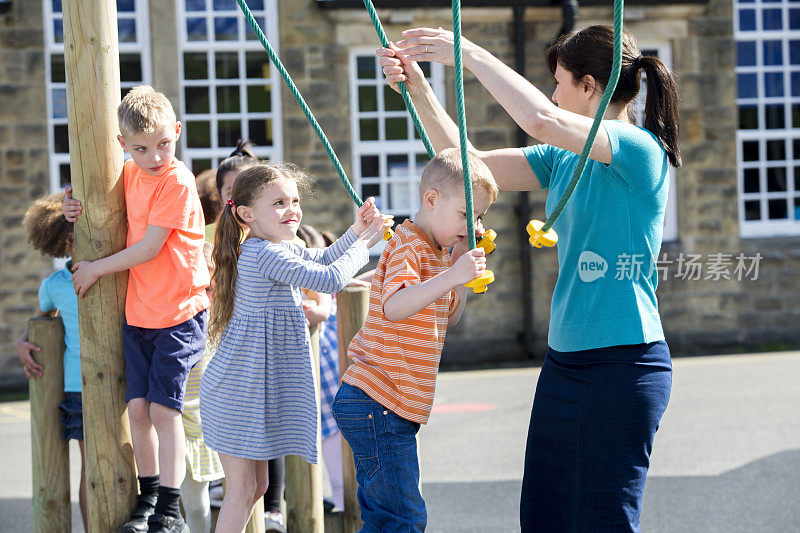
{"x": 258, "y": 394}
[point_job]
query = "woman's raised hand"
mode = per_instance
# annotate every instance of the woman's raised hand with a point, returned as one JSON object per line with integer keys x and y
{"x": 398, "y": 67}
{"x": 430, "y": 44}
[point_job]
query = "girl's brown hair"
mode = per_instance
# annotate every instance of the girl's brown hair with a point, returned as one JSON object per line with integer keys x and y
{"x": 589, "y": 52}
{"x": 241, "y": 158}
{"x": 231, "y": 231}
{"x": 48, "y": 230}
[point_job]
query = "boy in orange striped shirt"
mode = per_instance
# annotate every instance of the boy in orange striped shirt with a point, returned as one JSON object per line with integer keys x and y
{"x": 417, "y": 291}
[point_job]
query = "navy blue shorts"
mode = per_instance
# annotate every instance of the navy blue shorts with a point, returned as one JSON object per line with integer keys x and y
{"x": 158, "y": 361}
{"x": 71, "y": 416}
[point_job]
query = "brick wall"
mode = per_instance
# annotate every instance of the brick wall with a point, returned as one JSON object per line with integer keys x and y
{"x": 23, "y": 173}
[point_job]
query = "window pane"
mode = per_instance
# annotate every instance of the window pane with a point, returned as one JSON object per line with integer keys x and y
{"x": 746, "y": 53}
{"x": 130, "y": 67}
{"x": 777, "y": 209}
{"x": 195, "y": 66}
{"x": 752, "y": 210}
{"x": 225, "y": 29}
{"x": 196, "y": 100}
{"x": 58, "y": 72}
{"x": 748, "y": 85}
{"x": 368, "y": 98}
{"x": 369, "y": 166}
{"x": 58, "y": 30}
{"x": 60, "y": 139}
{"x": 229, "y": 132}
{"x": 126, "y": 5}
{"x": 797, "y": 179}
{"x": 426, "y": 68}
{"x": 257, "y": 65}
{"x": 365, "y": 67}
{"x": 396, "y": 129}
{"x": 773, "y": 84}
{"x": 227, "y": 64}
{"x": 774, "y": 116}
{"x": 796, "y": 115}
{"x": 794, "y": 52}
{"x": 751, "y": 183}
{"x": 772, "y": 19}
{"x": 776, "y": 179}
{"x": 196, "y": 29}
{"x": 254, "y": 5}
{"x": 794, "y": 19}
{"x": 795, "y": 79}
{"x": 56, "y": 6}
{"x": 397, "y": 166}
{"x": 747, "y": 19}
{"x": 392, "y": 100}
{"x": 368, "y": 129}
{"x": 200, "y": 165}
{"x": 198, "y": 134}
{"x": 773, "y": 52}
{"x": 59, "y": 103}
{"x": 776, "y": 150}
{"x": 127, "y": 30}
{"x": 797, "y": 208}
{"x": 748, "y": 117}
{"x": 195, "y": 5}
{"x": 259, "y": 99}
{"x": 370, "y": 189}
{"x": 750, "y": 151}
{"x": 250, "y": 35}
{"x": 260, "y": 132}
{"x": 220, "y": 5}
{"x": 228, "y": 99}
{"x": 796, "y": 149}
{"x": 65, "y": 178}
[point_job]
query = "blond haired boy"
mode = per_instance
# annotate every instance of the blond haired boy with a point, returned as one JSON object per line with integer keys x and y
{"x": 165, "y": 311}
{"x": 417, "y": 291}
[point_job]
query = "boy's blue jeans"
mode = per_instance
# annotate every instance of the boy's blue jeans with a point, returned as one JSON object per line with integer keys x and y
{"x": 387, "y": 466}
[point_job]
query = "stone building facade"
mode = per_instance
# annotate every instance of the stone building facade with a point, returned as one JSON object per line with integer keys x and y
{"x": 326, "y": 51}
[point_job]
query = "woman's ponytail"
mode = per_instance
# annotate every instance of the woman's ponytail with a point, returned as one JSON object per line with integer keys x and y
{"x": 227, "y": 247}
{"x": 661, "y": 106}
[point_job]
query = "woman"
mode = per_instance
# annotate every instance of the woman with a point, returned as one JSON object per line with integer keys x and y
{"x": 606, "y": 379}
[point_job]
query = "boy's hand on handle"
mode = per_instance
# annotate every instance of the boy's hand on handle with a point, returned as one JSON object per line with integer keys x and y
{"x": 469, "y": 266}
{"x": 462, "y": 246}
{"x": 364, "y": 215}
{"x": 397, "y": 67}
{"x": 31, "y": 368}
{"x": 374, "y": 232}
{"x": 71, "y": 207}
{"x": 83, "y": 277}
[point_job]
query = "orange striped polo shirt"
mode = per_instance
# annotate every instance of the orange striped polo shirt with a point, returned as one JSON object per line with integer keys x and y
{"x": 396, "y": 363}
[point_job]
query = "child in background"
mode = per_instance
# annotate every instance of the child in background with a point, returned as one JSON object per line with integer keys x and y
{"x": 209, "y": 200}
{"x": 417, "y": 291}
{"x": 165, "y": 309}
{"x": 258, "y": 394}
{"x": 52, "y": 235}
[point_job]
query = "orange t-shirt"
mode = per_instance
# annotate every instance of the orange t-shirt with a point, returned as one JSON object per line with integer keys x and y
{"x": 396, "y": 363}
{"x": 171, "y": 288}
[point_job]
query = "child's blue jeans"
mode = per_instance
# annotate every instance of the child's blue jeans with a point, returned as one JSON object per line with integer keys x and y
{"x": 387, "y": 466}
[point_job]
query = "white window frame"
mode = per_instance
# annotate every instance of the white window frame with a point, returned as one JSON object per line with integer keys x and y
{"x": 764, "y": 227}
{"x": 410, "y": 147}
{"x": 217, "y": 153}
{"x": 664, "y": 51}
{"x": 141, "y": 47}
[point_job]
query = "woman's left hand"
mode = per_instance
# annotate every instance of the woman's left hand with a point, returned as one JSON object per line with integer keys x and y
{"x": 431, "y": 44}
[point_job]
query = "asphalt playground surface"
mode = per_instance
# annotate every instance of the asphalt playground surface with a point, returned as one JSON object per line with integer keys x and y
{"x": 726, "y": 458}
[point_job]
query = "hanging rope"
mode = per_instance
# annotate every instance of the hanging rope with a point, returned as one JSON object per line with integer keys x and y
{"x": 376, "y": 22}
{"x": 616, "y": 65}
{"x": 297, "y": 96}
{"x": 462, "y": 122}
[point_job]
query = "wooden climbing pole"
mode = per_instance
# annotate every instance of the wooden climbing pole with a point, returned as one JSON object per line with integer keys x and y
{"x": 93, "y": 94}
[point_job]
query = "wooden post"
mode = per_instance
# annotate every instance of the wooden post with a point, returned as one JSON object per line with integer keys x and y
{"x": 93, "y": 94}
{"x": 256, "y": 523}
{"x": 352, "y": 305}
{"x": 50, "y": 453}
{"x": 303, "y": 480}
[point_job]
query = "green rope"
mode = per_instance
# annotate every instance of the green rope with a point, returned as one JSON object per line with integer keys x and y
{"x": 297, "y": 96}
{"x": 601, "y": 111}
{"x": 462, "y": 121}
{"x": 403, "y": 91}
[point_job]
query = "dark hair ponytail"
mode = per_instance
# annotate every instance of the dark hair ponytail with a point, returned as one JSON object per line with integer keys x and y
{"x": 225, "y": 256}
{"x": 589, "y": 52}
{"x": 241, "y": 158}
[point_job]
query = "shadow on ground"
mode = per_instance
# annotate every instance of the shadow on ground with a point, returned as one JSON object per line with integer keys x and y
{"x": 16, "y": 516}
{"x": 761, "y": 496}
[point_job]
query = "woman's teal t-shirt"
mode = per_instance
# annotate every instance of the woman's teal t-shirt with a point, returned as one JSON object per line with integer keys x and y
{"x": 609, "y": 236}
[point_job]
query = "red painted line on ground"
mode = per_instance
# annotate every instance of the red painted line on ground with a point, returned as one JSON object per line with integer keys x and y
{"x": 463, "y": 407}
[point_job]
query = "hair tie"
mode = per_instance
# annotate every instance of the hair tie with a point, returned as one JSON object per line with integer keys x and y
{"x": 229, "y": 202}
{"x": 637, "y": 63}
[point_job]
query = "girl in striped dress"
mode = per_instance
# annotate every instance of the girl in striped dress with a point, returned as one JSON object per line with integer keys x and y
{"x": 258, "y": 393}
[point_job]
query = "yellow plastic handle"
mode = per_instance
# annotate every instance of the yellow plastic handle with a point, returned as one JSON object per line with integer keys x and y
{"x": 539, "y": 238}
{"x": 478, "y": 285}
{"x": 487, "y": 241}
{"x": 388, "y": 234}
